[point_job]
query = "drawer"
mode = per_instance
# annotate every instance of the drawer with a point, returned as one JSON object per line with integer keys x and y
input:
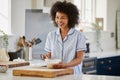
{"x": 104, "y": 61}
{"x": 109, "y": 61}
{"x": 108, "y": 70}
{"x": 108, "y": 66}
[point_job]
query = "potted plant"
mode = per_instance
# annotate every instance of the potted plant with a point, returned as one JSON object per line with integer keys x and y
{"x": 4, "y": 39}
{"x": 97, "y": 30}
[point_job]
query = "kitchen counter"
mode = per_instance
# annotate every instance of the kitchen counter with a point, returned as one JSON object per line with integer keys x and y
{"x": 8, "y": 75}
{"x": 104, "y": 54}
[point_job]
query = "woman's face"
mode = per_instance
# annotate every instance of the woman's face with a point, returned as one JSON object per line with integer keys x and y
{"x": 61, "y": 20}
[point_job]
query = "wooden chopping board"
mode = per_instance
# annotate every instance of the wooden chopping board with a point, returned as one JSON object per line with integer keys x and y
{"x": 12, "y": 64}
{"x": 42, "y": 72}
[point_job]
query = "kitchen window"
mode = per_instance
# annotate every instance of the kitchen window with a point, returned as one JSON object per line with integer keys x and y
{"x": 5, "y": 16}
{"x": 87, "y": 13}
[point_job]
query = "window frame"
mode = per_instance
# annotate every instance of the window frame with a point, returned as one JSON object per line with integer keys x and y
{"x": 5, "y": 16}
{"x": 84, "y": 23}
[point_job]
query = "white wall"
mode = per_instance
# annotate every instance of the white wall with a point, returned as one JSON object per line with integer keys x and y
{"x": 18, "y": 16}
{"x": 112, "y": 7}
{"x": 17, "y": 20}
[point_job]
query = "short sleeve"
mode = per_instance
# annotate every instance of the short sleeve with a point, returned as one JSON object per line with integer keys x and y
{"x": 48, "y": 43}
{"x": 81, "y": 42}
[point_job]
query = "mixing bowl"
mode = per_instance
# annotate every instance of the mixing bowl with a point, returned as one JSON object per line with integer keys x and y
{"x": 51, "y": 62}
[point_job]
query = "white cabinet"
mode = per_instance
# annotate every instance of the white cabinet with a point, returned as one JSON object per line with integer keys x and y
{"x": 118, "y": 29}
{"x": 39, "y": 4}
{"x": 49, "y": 3}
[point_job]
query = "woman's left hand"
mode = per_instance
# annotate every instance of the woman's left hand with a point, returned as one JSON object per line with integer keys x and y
{"x": 59, "y": 65}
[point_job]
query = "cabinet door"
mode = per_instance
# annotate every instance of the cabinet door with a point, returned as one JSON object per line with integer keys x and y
{"x": 108, "y": 66}
{"x": 118, "y": 29}
{"x": 49, "y": 3}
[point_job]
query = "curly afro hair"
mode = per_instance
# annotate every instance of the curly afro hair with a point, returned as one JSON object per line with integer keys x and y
{"x": 67, "y": 8}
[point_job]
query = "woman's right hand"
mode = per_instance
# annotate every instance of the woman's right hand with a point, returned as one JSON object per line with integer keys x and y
{"x": 45, "y": 56}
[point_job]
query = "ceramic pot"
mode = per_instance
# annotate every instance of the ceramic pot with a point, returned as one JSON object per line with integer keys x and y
{"x": 3, "y": 68}
{"x": 4, "y": 55}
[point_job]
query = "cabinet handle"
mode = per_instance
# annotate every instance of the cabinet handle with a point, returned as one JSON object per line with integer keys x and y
{"x": 109, "y": 61}
{"x": 109, "y": 68}
{"x": 102, "y": 62}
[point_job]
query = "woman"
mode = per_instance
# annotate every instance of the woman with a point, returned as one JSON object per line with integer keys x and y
{"x": 65, "y": 43}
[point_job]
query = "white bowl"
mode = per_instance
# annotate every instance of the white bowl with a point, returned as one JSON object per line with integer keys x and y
{"x": 3, "y": 68}
{"x": 51, "y": 62}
